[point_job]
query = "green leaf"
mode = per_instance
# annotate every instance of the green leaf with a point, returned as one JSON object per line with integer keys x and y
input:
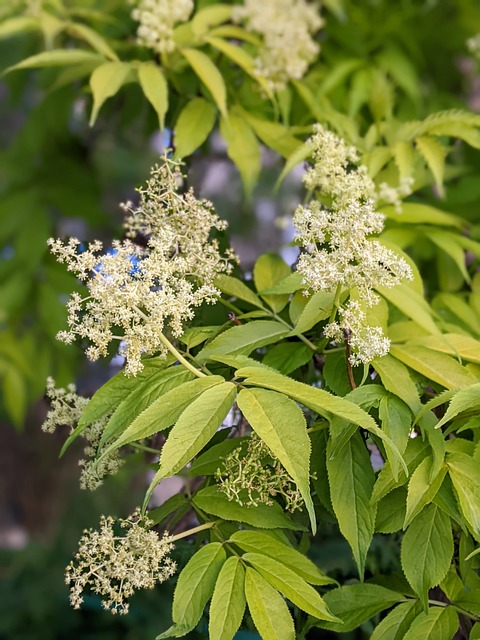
{"x": 242, "y": 148}
{"x": 298, "y": 157}
{"x": 155, "y": 88}
{"x": 396, "y": 420}
{"x": 18, "y": 24}
{"x": 235, "y": 287}
{"x": 273, "y": 135}
{"x": 454, "y": 344}
{"x": 433, "y": 365}
{"x": 57, "y": 58}
{"x": 170, "y": 505}
{"x": 319, "y": 400}
{"x": 391, "y": 511}
{"x": 268, "y": 609}
{"x": 259, "y": 542}
{"x": 427, "y": 550}
{"x": 439, "y": 623}
{"x": 243, "y": 339}
{"x": 207, "y": 463}
{"x": 210, "y": 16}
{"x": 422, "y": 488}
{"x": 351, "y": 479}
{"x": 209, "y": 75}
{"x": 93, "y": 38}
{"x": 434, "y": 155}
{"x": 470, "y": 601}
{"x": 412, "y": 305}
{"x": 356, "y": 603}
{"x": 228, "y": 601}
{"x": 397, "y": 622}
{"x": 290, "y": 284}
{"x": 465, "y": 475}
{"x": 268, "y": 271}
{"x": 467, "y": 399}
{"x": 15, "y": 395}
{"x": 447, "y": 243}
{"x": 195, "y": 427}
{"x": 106, "y": 81}
{"x": 212, "y": 501}
{"x": 193, "y": 126}
{"x": 475, "y": 632}
{"x": 318, "y": 307}
{"x": 164, "y": 410}
{"x": 416, "y": 213}
{"x": 195, "y": 586}
{"x": 288, "y": 356}
{"x": 293, "y": 587}
{"x": 280, "y": 423}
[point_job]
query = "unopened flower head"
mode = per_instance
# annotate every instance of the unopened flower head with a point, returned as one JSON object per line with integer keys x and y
{"x": 365, "y": 342}
{"x": 157, "y": 19}
{"x": 136, "y": 293}
{"x": 254, "y": 477}
{"x": 114, "y": 566}
{"x": 66, "y": 407}
{"x": 335, "y": 232}
{"x": 287, "y": 27}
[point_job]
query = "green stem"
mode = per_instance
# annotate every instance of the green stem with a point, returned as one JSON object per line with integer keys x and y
{"x": 142, "y": 447}
{"x": 180, "y": 358}
{"x": 336, "y": 304}
{"x": 465, "y": 613}
{"x": 191, "y": 532}
{"x": 289, "y": 326}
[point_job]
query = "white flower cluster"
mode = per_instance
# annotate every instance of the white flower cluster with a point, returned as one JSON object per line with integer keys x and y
{"x": 395, "y": 195}
{"x": 66, "y": 407}
{"x": 473, "y": 45}
{"x": 335, "y": 231}
{"x": 157, "y": 19}
{"x": 139, "y": 292}
{"x": 287, "y": 27}
{"x": 115, "y": 566}
{"x": 365, "y": 342}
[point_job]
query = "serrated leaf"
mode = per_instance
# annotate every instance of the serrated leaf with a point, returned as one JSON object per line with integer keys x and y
{"x": 434, "y": 155}
{"x": 351, "y": 480}
{"x": 454, "y": 344}
{"x": 196, "y": 584}
{"x": 291, "y": 585}
{"x": 155, "y": 88}
{"x": 212, "y": 501}
{"x": 288, "y": 356}
{"x": 319, "y": 400}
{"x": 106, "y": 81}
{"x": 195, "y": 427}
{"x": 207, "y": 463}
{"x": 243, "y": 148}
{"x": 228, "y": 601}
{"x": 467, "y": 399}
{"x": 165, "y": 410}
{"x": 235, "y": 287}
{"x": 259, "y": 542}
{"x": 243, "y": 339}
{"x": 433, "y": 365}
{"x": 169, "y": 506}
{"x": 57, "y": 58}
{"x": 193, "y": 126}
{"x": 447, "y": 243}
{"x": 290, "y": 284}
{"x": 396, "y": 421}
{"x": 427, "y": 550}
{"x": 465, "y": 475}
{"x": 439, "y": 623}
{"x": 412, "y": 305}
{"x": 268, "y": 609}
{"x": 268, "y": 271}
{"x": 422, "y": 488}
{"x": 280, "y": 423}
{"x": 391, "y": 511}
{"x": 354, "y": 604}
{"x": 397, "y": 622}
{"x": 318, "y": 307}
{"x": 209, "y": 74}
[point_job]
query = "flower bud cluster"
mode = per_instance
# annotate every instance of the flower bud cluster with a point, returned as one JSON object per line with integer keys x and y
{"x": 287, "y": 27}
{"x": 256, "y": 477}
{"x": 66, "y": 407}
{"x": 157, "y": 19}
{"x": 395, "y": 195}
{"x": 135, "y": 293}
{"x": 115, "y": 566}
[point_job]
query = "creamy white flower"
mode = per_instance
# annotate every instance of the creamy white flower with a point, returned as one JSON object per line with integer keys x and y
{"x": 287, "y": 27}
{"x": 395, "y": 195}
{"x": 136, "y": 293}
{"x": 157, "y": 19}
{"x": 473, "y": 45}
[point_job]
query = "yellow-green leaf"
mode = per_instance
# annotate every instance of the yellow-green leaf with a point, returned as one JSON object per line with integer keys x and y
{"x": 193, "y": 126}
{"x": 268, "y": 609}
{"x": 209, "y": 74}
{"x": 106, "y": 81}
{"x": 228, "y": 601}
{"x": 242, "y": 148}
{"x": 155, "y": 88}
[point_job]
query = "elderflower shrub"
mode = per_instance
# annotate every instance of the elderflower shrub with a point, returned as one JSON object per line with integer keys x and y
{"x": 335, "y": 234}
{"x": 137, "y": 293}
{"x": 66, "y": 407}
{"x": 287, "y": 29}
{"x": 157, "y": 19}
{"x": 254, "y": 477}
{"x": 115, "y": 566}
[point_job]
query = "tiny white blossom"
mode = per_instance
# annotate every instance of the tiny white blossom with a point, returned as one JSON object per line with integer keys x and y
{"x": 115, "y": 566}
{"x": 395, "y": 195}
{"x": 287, "y": 27}
{"x": 157, "y": 19}
{"x": 135, "y": 293}
{"x": 473, "y": 45}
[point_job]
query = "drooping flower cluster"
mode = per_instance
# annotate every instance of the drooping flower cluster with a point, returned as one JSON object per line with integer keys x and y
{"x": 335, "y": 233}
{"x": 66, "y": 407}
{"x": 365, "y": 342}
{"x": 287, "y": 27}
{"x": 115, "y": 566}
{"x": 254, "y": 477}
{"x": 157, "y": 19}
{"x": 136, "y": 293}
